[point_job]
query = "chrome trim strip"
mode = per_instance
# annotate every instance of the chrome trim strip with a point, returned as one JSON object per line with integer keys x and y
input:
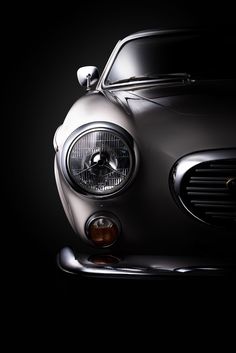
{"x": 144, "y": 266}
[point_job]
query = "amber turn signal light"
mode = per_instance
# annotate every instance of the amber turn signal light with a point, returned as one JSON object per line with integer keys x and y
{"x": 102, "y": 231}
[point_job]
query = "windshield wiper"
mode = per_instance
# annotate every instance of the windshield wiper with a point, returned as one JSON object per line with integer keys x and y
{"x": 171, "y": 76}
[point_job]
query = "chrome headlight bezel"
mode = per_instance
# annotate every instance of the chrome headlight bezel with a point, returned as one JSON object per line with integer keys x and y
{"x": 95, "y": 127}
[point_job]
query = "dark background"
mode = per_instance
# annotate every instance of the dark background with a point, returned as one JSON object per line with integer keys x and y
{"x": 44, "y": 49}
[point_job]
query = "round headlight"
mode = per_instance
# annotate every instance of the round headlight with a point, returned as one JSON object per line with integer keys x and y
{"x": 100, "y": 161}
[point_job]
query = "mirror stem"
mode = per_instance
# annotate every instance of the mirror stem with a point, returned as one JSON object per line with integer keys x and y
{"x": 88, "y": 82}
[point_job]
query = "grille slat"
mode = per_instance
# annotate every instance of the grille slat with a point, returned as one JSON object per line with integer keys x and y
{"x": 223, "y": 166}
{"x": 205, "y": 192}
{"x": 225, "y": 202}
{"x": 208, "y": 205}
{"x": 206, "y": 178}
{"x": 199, "y": 188}
{"x": 214, "y": 170}
{"x": 221, "y": 214}
{"x": 200, "y": 182}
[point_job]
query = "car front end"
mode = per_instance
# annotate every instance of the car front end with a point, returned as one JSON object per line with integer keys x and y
{"x": 145, "y": 164}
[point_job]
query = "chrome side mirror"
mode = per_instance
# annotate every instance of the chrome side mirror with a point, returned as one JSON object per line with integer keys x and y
{"x": 88, "y": 76}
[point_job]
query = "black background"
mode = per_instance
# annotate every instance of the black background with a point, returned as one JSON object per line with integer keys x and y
{"x": 44, "y": 49}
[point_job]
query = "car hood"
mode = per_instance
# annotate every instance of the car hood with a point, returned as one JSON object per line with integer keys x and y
{"x": 199, "y": 98}
{"x": 182, "y": 119}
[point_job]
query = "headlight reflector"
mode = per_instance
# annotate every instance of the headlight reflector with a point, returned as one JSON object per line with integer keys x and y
{"x": 100, "y": 161}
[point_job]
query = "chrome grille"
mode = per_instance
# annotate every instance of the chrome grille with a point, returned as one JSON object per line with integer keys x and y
{"x": 207, "y": 189}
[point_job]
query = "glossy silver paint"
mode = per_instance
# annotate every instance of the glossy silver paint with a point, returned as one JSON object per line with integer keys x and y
{"x": 141, "y": 266}
{"x": 167, "y": 121}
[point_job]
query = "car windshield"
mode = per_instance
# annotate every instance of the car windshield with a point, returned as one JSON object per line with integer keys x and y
{"x": 196, "y": 54}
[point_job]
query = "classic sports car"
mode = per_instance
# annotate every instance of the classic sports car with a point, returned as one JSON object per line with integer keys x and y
{"x": 145, "y": 162}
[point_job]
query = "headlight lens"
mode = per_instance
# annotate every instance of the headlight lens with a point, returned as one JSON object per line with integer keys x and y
{"x": 100, "y": 162}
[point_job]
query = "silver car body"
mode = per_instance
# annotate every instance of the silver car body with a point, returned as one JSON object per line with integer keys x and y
{"x": 168, "y": 123}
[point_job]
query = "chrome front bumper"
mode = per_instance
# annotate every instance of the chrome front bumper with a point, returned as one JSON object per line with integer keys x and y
{"x": 145, "y": 266}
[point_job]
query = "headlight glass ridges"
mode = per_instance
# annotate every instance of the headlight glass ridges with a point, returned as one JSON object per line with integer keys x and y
{"x": 100, "y": 161}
